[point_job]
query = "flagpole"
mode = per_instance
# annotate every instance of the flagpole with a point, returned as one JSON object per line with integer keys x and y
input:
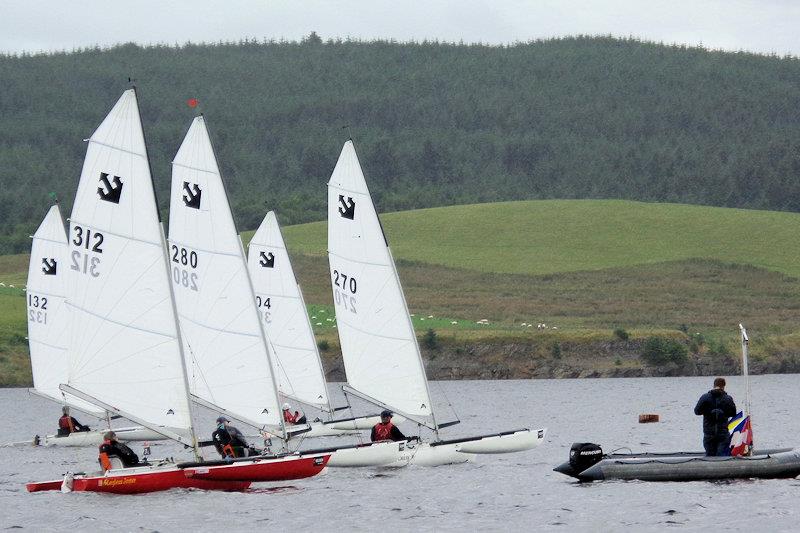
{"x": 745, "y": 370}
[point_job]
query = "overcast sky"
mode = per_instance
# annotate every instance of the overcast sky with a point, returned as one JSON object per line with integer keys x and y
{"x": 763, "y": 26}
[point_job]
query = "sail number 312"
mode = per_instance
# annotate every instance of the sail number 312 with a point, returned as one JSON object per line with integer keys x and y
{"x": 92, "y": 242}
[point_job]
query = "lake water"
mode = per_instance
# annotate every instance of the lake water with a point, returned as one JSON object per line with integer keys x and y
{"x": 498, "y": 492}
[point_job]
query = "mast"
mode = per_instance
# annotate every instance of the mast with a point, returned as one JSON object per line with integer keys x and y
{"x": 745, "y": 340}
{"x": 165, "y": 254}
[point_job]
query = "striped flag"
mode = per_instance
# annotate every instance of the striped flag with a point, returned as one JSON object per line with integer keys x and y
{"x": 741, "y": 434}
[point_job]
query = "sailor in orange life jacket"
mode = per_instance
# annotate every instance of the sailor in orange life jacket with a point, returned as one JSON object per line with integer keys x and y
{"x": 385, "y": 430}
{"x": 111, "y": 447}
{"x": 289, "y": 418}
{"x": 67, "y": 424}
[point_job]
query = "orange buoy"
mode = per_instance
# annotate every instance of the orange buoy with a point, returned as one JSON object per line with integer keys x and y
{"x": 647, "y": 418}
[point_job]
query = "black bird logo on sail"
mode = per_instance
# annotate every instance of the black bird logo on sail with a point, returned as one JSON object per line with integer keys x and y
{"x": 49, "y": 266}
{"x": 347, "y": 208}
{"x": 110, "y": 191}
{"x": 267, "y": 260}
{"x": 192, "y": 196}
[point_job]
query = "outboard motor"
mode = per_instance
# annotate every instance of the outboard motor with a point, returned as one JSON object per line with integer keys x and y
{"x": 582, "y": 455}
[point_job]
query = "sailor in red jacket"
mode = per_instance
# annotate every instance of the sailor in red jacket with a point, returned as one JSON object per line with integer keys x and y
{"x": 289, "y": 418}
{"x": 67, "y": 424}
{"x": 385, "y": 430}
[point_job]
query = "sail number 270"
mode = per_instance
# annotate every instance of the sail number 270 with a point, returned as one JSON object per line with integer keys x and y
{"x": 344, "y": 290}
{"x": 181, "y": 275}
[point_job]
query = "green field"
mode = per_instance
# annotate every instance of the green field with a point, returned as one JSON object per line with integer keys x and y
{"x": 583, "y": 267}
{"x": 554, "y": 236}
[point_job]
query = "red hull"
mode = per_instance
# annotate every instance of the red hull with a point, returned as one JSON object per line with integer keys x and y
{"x": 137, "y": 483}
{"x": 265, "y": 469}
{"x": 233, "y": 476}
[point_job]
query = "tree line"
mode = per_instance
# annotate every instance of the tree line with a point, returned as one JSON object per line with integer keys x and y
{"x": 434, "y": 123}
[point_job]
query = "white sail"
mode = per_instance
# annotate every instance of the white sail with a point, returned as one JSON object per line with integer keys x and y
{"x": 225, "y": 349}
{"x": 285, "y": 317}
{"x": 379, "y": 348}
{"x": 48, "y": 318}
{"x": 124, "y": 348}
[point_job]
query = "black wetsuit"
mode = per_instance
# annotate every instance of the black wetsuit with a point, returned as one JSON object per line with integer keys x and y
{"x": 232, "y": 437}
{"x": 118, "y": 449}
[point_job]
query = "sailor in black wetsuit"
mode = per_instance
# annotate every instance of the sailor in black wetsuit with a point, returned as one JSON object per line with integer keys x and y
{"x": 111, "y": 447}
{"x": 229, "y": 441}
{"x": 717, "y": 407}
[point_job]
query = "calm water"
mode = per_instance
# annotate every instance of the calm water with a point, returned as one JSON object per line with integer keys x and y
{"x": 500, "y": 492}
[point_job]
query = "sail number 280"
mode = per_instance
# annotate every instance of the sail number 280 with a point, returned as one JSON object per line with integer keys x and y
{"x": 182, "y": 276}
{"x": 344, "y": 290}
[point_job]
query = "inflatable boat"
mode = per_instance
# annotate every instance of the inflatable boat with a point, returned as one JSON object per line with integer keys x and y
{"x": 588, "y": 463}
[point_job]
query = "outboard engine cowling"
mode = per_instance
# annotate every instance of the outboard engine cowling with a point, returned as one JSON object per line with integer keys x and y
{"x": 582, "y": 455}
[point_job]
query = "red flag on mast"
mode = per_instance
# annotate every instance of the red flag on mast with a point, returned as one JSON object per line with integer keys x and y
{"x": 192, "y": 102}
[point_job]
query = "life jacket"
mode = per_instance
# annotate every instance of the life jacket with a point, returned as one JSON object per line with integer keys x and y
{"x": 65, "y": 424}
{"x": 383, "y": 431}
{"x": 288, "y": 417}
{"x": 105, "y": 462}
{"x": 228, "y": 451}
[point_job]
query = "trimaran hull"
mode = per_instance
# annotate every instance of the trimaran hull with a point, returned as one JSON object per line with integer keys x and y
{"x": 217, "y": 475}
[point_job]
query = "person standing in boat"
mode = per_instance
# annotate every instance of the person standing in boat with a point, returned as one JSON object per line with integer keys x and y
{"x": 717, "y": 407}
{"x": 111, "y": 447}
{"x": 385, "y": 430}
{"x": 229, "y": 441}
{"x": 67, "y": 424}
{"x": 289, "y": 418}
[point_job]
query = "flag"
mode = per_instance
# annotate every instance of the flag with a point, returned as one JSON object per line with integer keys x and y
{"x": 741, "y": 434}
{"x": 192, "y": 102}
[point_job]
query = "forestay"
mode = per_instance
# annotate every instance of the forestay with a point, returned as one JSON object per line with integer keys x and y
{"x": 225, "y": 350}
{"x": 48, "y": 318}
{"x": 379, "y": 348}
{"x": 283, "y": 311}
{"x": 124, "y": 347}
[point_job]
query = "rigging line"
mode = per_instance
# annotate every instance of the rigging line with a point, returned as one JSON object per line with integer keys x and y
{"x": 449, "y": 403}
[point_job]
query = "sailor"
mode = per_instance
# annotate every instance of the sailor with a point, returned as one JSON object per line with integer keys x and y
{"x": 68, "y": 424}
{"x": 296, "y": 418}
{"x": 111, "y": 447}
{"x": 229, "y": 441}
{"x": 717, "y": 408}
{"x": 385, "y": 430}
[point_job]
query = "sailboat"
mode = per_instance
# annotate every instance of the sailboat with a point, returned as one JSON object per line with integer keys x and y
{"x": 381, "y": 356}
{"x": 283, "y": 311}
{"x": 125, "y": 351}
{"x": 48, "y": 321}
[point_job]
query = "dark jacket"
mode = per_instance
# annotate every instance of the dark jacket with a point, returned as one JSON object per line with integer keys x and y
{"x": 117, "y": 449}
{"x": 717, "y": 408}
{"x": 230, "y": 436}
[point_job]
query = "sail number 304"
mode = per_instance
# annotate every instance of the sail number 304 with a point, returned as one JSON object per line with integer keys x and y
{"x": 184, "y": 262}
{"x": 344, "y": 290}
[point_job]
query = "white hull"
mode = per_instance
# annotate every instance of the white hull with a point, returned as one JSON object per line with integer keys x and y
{"x": 95, "y": 437}
{"x": 465, "y": 450}
{"x": 375, "y": 454}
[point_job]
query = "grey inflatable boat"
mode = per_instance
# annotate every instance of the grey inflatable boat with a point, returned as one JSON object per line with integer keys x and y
{"x": 588, "y": 463}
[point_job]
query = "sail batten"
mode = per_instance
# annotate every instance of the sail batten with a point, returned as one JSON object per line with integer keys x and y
{"x": 285, "y": 317}
{"x": 379, "y": 346}
{"x": 226, "y": 353}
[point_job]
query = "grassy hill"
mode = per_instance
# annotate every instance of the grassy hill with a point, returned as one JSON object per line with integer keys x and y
{"x": 585, "y": 267}
{"x": 556, "y": 236}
